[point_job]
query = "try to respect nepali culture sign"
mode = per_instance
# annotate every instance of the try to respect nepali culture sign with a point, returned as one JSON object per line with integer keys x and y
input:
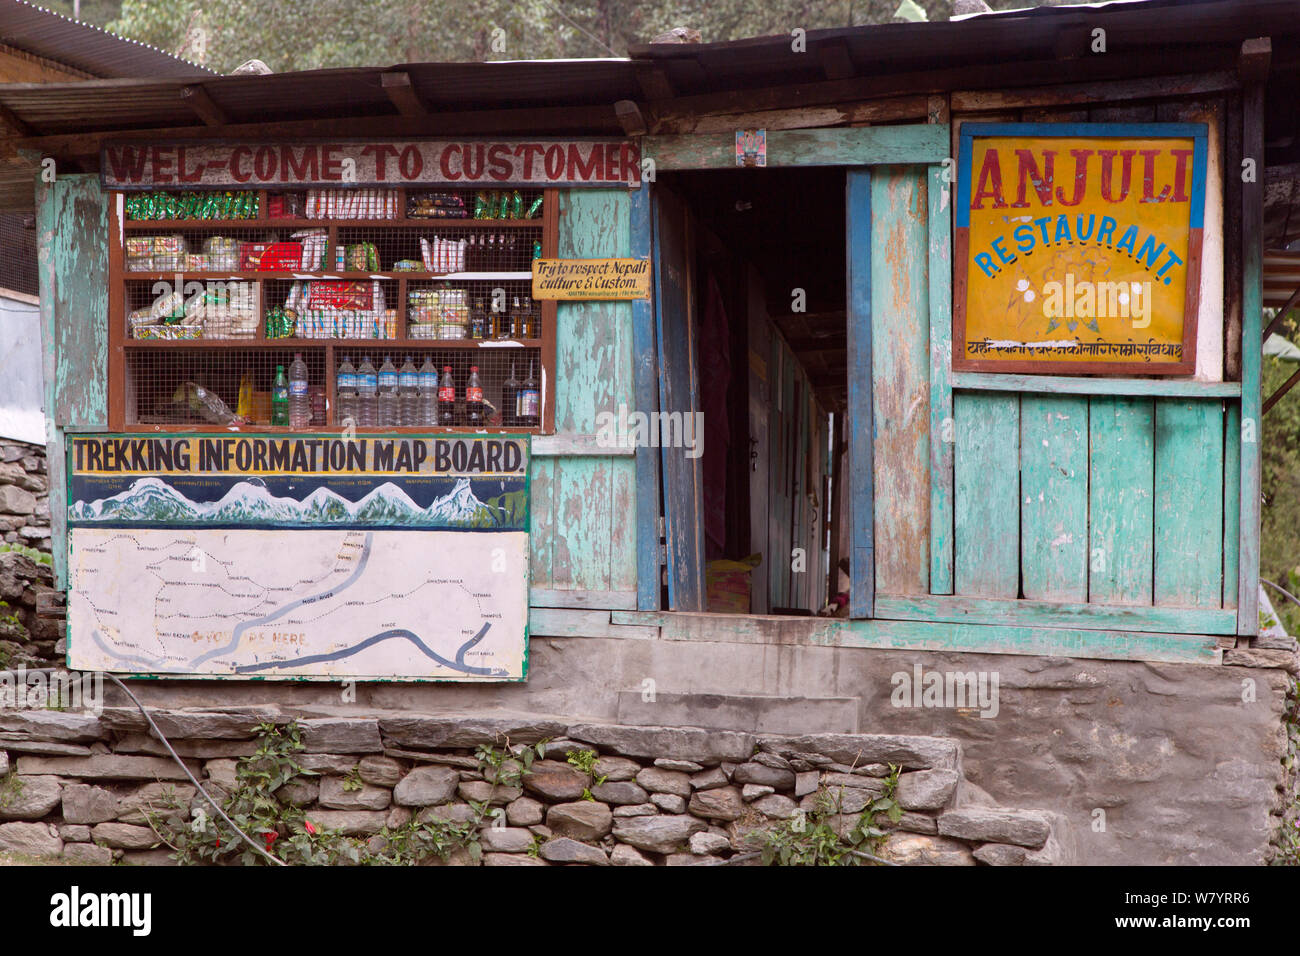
{"x": 1078, "y": 247}
{"x": 400, "y": 558}
{"x": 569, "y": 279}
{"x": 136, "y": 165}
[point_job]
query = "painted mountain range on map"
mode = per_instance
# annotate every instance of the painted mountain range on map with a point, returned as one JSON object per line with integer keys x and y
{"x": 152, "y": 500}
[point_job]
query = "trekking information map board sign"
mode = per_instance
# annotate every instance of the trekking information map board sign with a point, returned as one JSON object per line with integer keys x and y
{"x": 295, "y": 556}
{"x": 1078, "y": 247}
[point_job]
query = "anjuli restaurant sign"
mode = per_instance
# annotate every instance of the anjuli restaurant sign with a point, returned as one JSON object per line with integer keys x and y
{"x": 1078, "y": 247}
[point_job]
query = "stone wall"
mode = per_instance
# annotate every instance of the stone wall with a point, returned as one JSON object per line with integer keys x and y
{"x": 1185, "y": 765}
{"x": 24, "y": 495}
{"x": 31, "y": 613}
{"x": 78, "y": 787}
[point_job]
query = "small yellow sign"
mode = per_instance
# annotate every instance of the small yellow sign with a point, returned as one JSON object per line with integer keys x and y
{"x": 568, "y": 279}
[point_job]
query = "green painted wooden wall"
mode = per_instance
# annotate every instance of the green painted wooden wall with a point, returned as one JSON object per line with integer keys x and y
{"x": 584, "y": 506}
{"x": 1121, "y": 500}
{"x": 72, "y": 264}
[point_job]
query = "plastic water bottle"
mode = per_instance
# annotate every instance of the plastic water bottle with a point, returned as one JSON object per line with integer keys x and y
{"x": 346, "y": 394}
{"x": 408, "y": 393}
{"x": 299, "y": 400}
{"x": 367, "y": 394}
{"x": 387, "y": 393}
{"x": 428, "y": 383}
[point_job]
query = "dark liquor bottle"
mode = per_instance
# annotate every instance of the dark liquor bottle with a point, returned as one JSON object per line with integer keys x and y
{"x": 509, "y": 398}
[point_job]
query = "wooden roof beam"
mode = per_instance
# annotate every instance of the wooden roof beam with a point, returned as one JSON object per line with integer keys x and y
{"x": 654, "y": 83}
{"x": 401, "y": 92}
{"x": 204, "y": 106}
{"x": 836, "y": 62}
{"x": 630, "y": 117}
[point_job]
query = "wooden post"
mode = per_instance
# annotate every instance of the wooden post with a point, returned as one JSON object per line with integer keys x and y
{"x": 1253, "y": 66}
{"x": 862, "y": 590}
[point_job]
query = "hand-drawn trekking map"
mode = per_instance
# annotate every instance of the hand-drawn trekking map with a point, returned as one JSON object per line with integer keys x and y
{"x": 191, "y": 564}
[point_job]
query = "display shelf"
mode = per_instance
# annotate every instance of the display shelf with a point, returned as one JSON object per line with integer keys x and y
{"x": 299, "y": 343}
{"x": 249, "y": 276}
{"x": 154, "y": 225}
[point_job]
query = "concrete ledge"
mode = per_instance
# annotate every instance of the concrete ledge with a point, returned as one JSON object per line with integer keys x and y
{"x": 767, "y": 715}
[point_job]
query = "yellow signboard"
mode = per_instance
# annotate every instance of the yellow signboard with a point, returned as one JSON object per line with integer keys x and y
{"x": 1078, "y": 247}
{"x": 591, "y": 279}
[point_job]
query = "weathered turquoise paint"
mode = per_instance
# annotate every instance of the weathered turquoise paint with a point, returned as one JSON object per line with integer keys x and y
{"x": 900, "y": 365}
{"x": 1054, "y": 497}
{"x": 1189, "y": 503}
{"x": 861, "y": 470}
{"x": 939, "y": 209}
{"x": 962, "y": 610}
{"x": 986, "y": 483}
{"x": 1121, "y": 500}
{"x": 1123, "y": 645}
{"x": 72, "y": 242}
{"x": 645, "y": 383}
{"x": 1231, "y": 501}
{"x": 1066, "y": 385}
{"x": 584, "y": 507}
{"x": 72, "y": 267}
{"x": 841, "y": 146}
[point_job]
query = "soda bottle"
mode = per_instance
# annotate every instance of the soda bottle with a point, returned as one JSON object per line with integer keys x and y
{"x": 345, "y": 393}
{"x": 299, "y": 400}
{"x": 474, "y": 414}
{"x": 280, "y": 398}
{"x": 428, "y": 382}
{"x": 529, "y": 402}
{"x": 446, "y": 398}
{"x": 387, "y": 393}
{"x": 408, "y": 393}
{"x": 367, "y": 394}
{"x": 510, "y": 400}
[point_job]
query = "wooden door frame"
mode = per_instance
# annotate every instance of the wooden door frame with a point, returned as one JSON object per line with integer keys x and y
{"x": 921, "y": 144}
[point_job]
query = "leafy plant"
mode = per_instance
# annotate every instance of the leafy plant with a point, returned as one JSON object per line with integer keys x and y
{"x": 352, "y": 782}
{"x": 40, "y": 557}
{"x": 584, "y": 761}
{"x": 257, "y": 806}
{"x": 821, "y": 838}
{"x": 11, "y": 788}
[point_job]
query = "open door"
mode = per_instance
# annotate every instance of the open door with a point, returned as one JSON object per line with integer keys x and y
{"x": 678, "y": 402}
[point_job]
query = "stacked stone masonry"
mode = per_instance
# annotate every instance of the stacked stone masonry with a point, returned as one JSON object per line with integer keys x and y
{"x": 78, "y": 786}
{"x": 24, "y": 495}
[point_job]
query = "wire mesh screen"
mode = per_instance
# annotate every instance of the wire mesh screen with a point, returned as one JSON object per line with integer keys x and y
{"x": 175, "y": 385}
{"x": 506, "y": 378}
{"x": 476, "y": 309}
{"x": 440, "y": 248}
{"x": 332, "y": 308}
{"x": 232, "y": 249}
{"x": 180, "y": 308}
{"x": 18, "y": 254}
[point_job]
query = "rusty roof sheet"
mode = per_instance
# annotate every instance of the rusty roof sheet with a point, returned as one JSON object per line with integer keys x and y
{"x": 85, "y": 47}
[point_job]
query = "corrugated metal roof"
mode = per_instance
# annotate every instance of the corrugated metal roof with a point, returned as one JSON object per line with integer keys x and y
{"x": 85, "y": 47}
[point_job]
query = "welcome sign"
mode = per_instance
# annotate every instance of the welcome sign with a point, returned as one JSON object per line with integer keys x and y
{"x": 1078, "y": 247}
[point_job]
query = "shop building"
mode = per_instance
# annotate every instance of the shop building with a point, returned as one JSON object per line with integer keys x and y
{"x": 973, "y": 308}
